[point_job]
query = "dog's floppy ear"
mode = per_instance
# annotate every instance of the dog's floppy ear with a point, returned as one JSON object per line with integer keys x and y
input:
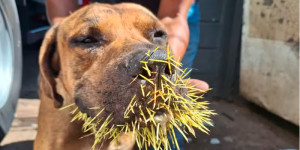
{"x": 50, "y": 65}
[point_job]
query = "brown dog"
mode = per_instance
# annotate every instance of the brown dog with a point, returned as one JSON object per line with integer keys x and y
{"x": 89, "y": 59}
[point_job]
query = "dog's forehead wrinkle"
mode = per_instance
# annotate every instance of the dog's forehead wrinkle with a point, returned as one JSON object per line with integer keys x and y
{"x": 92, "y": 21}
{"x": 92, "y": 15}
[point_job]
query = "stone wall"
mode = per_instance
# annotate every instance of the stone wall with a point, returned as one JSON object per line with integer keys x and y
{"x": 270, "y": 56}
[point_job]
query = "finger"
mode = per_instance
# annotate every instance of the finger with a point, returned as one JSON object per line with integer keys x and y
{"x": 199, "y": 84}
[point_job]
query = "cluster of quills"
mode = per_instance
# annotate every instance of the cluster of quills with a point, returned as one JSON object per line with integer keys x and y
{"x": 182, "y": 111}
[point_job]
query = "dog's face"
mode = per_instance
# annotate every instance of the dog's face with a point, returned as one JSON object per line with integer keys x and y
{"x": 95, "y": 53}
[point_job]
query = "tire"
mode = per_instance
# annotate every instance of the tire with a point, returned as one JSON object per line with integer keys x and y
{"x": 10, "y": 63}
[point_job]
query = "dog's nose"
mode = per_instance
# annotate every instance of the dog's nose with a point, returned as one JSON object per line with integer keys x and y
{"x": 156, "y": 64}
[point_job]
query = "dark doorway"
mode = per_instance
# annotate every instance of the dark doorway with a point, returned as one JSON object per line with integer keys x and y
{"x": 217, "y": 61}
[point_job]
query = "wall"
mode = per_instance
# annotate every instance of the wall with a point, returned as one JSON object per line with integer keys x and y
{"x": 269, "y": 73}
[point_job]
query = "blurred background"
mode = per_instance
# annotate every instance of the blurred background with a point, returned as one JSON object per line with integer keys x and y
{"x": 248, "y": 53}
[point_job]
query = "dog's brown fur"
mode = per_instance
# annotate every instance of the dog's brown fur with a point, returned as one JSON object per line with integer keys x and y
{"x": 84, "y": 60}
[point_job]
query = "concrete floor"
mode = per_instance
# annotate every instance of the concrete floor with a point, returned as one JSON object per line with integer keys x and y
{"x": 23, "y": 130}
{"x": 240, "y": 125}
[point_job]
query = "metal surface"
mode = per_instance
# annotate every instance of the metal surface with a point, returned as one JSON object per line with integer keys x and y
{"x": 6, "y": 61}
{"x": 10, "y": 62}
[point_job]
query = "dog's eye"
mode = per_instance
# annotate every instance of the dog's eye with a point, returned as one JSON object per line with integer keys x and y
{"x": 88, "y": 40}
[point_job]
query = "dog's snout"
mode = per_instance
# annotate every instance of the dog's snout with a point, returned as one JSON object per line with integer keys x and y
{"x": 156, "y": 64}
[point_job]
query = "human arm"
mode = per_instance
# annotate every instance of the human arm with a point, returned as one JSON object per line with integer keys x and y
{"x": 58, "y": 9}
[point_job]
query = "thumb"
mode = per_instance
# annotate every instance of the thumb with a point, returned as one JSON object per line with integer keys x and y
{"x": 199, "y": 84}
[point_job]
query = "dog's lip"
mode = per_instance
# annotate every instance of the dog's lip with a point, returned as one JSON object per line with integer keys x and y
{"x": 161, "y": 117}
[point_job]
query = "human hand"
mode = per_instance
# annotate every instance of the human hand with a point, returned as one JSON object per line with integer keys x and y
{"x": 178, "y": 34}
{"x": 177, "y": 29}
